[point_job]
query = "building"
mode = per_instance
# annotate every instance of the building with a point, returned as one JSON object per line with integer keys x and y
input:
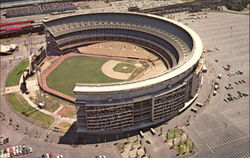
{"x": 119, "y": 107}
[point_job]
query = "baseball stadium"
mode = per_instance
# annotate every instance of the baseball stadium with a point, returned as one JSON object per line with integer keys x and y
{"x": 124, "y": 71}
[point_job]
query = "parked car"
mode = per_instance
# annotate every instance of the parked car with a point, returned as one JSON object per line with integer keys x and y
{"x": 47, "y": 155}
{"x": 50, "y": 155}
{"x": 20, "y": 148}
{"x": 16, "y": 149}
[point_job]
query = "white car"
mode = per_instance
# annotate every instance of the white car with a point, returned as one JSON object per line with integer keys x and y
{"x": 8, "y": 154}
{"x": 1, "y": 141}
{"x": 8, "y": 150}
{"x": 5, "y": 155}
{"x": 30, "y": 149}
{"x": 17, "y": 150}
{"x": 14, "y": 151}
{"x": 20, "y": 149}
{"x": 1, "y": 152}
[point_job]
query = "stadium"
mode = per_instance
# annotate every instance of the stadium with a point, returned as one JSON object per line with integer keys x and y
{"x": 166, "y": 86}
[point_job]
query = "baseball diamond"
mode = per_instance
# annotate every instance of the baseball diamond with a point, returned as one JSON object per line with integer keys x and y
{"x": 135, "y": 104}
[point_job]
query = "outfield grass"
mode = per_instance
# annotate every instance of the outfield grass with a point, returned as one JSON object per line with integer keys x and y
{"x": 120, "y": 68}
{"x": 14, "y": 76}
{"x": 78, "y": 69}
{"x": 22, "y": 106}
{"x": 144, "y": 64}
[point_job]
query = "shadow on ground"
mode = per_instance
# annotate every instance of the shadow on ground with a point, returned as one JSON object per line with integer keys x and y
{"x": 71, "y": 137}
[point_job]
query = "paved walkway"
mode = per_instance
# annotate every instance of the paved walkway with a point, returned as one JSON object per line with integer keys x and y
{"x": 16, "y": 89}
{"x": 13, "y": 89}
{"x": 58, "y": 118}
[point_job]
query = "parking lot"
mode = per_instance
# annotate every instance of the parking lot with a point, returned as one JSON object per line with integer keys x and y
{"x": 222, "y": 129}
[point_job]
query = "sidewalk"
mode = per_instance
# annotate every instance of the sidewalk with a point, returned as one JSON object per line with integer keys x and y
{"x": 13, "y": 89}
{"x": 58, "y": 118}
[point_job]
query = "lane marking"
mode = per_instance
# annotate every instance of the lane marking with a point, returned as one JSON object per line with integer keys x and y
{"x": 215, "y": 147}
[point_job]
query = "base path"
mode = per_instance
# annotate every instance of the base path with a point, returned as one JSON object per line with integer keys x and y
{"x": 107, "y": 69}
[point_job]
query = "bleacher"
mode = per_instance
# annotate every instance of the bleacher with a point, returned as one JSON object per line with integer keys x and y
{"x": 159, "y": 36}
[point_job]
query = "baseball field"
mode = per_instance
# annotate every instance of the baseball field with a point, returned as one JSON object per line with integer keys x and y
{"x": 91, "y": 70}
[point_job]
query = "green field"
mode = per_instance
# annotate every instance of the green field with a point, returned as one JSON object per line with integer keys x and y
{"x": 22, "y": 106}
{"x": 83, "y": 69}
{"x": 52, "y": 102}
{"x": 183, "y": 146}
{"x": 14, "y": 76}
{"x": 121, "y": 68}
{"x": 78, "y": 69}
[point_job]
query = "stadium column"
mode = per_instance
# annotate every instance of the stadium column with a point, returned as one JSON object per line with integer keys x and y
{"x": 46, "y": 32}
{"x": 153, "y": 108}
{"x": 196, "y": 80}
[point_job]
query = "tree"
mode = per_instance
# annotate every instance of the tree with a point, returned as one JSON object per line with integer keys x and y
{"x": 10, "y": 121}
{"x": 137, "y": 154}
{"x": 36, "y": 134}
{"x": 132, "y": 147}
{"x": 179, "y": 149}
{"x": 17, "y": 126}
{"x": 186, "y": 140}
{"x": 172, "y": 144}
{"x": 26, "y": 130}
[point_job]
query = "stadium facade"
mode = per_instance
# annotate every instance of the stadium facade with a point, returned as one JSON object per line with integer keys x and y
{"x": 133, "y": 105}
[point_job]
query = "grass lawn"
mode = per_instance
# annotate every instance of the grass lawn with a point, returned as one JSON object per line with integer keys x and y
{"x": 70, "y": 113}
{"x": 173, "y": 133}
{"x": 78, "y": 69}
{"x": 64, "y": 125}
{"x": 52, "y": 102}
{"x": 182, "y": 147}
{"x": 124, "y": 67}
{"x": 14, "y": 76}
{"x": 120, "y": 146}
{"x": 22, "y": 106}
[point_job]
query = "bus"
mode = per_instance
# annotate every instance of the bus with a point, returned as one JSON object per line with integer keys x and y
{"x": 141, "y": 134}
